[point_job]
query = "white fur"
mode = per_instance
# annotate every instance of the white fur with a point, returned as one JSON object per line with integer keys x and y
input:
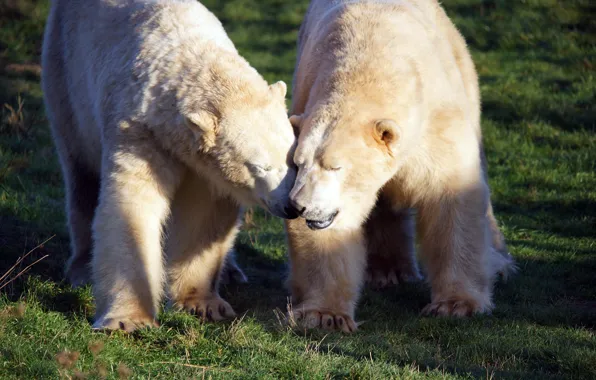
{"x": 387, "y": 91}
{"x": 154, "y": 114}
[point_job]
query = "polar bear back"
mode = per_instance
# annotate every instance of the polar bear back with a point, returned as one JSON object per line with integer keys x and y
{"x": 107, "y": 55}
{"x": 448, "y": 44}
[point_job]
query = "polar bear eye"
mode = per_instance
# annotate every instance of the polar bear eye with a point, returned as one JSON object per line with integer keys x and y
{"x": 333, "y": 168}
{"x": 260, "y": 169}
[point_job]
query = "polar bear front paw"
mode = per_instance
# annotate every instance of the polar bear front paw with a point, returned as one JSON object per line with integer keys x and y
{"x": 125, "y": 323}
{"x": 78, "y": 273}
{"x": 208, "y": 309}
{"x": 327, "y": 320}
{"x": 455, "y": 308}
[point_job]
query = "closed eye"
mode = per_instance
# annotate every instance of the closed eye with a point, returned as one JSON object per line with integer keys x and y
{"x": 260, "y": 168}
{"x": 333, "y": 169}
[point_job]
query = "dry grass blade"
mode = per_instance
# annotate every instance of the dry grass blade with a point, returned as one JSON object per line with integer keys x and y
{"x": 22, "y": 272}
{"x": 123, "y": 371}
{"x": 5, "y": 279}
{"x": 195, "y": 366}
{"x": 249, "y": 218}
{"x": 16, "y": 116}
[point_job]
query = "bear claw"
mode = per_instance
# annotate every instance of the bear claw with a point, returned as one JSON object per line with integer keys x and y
{"x": 325, "y": 320}
{"x": 127, "y": 324}
{"x": 211, "y": 309}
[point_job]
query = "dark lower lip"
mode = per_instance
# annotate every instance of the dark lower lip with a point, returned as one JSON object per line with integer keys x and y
{"x": 320, "y": 224}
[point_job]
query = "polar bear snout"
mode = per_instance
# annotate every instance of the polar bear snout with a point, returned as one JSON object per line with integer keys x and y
{"x": 317, "y": 218}
{"x": 317, "y": 196}
{"x": 277, "y": 198}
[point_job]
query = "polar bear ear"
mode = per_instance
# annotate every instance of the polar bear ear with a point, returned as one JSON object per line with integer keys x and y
{"x": 296, "y": 121}
{"x": 279, "y": 88}
{"x": 387, "y": 132}
{"x": 202, "y": 124}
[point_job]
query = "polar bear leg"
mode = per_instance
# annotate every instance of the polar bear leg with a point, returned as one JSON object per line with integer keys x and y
{"x": 327, "y": 273}
{"x": 504, "y": 264}
{"x": 456, "y": 248}
{"x": 136, "y": 188}
{"x": 202, "y": 232}
{"x": 81, "y": 183}
{"x": 390, "y": 246}
{"x": 231, "y": 272}
{"x": 81, "y": 190}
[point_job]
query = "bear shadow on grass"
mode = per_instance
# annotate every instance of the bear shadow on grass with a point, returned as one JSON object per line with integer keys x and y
{"x": 43, "y": 281}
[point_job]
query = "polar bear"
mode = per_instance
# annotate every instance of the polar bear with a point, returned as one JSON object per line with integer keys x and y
{"x": 387, "y": 105}
{"x": 159, "y": 124}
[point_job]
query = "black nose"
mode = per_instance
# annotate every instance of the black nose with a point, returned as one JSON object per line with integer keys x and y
{"x": 291, "y": 212}
{"x": 298, "y": 208}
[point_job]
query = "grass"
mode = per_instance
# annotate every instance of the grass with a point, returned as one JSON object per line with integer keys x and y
{"x": 536, "y": 60}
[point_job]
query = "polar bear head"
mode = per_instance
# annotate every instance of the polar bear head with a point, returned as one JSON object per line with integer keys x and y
{"x": 348, "y": 149}
{"x": 248, "y": 144}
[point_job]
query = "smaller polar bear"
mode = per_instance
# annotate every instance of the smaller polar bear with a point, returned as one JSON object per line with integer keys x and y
{"x": 156, "y": 117}
{"x": 387, "y": 105}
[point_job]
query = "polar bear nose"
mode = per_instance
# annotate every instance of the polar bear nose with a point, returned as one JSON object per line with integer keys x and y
{"x": 291, "y": 212}
{"x": 298, "y": 208}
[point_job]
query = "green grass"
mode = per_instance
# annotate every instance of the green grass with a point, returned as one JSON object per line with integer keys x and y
{"x": 537, "y": 62}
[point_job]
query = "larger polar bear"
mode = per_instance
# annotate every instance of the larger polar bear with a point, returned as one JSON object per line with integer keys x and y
{"x": 155, "y": 115}
{"x": 387, "y": 103}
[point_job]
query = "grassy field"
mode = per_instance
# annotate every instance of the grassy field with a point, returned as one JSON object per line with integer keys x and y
{"x": 537, "y": 62}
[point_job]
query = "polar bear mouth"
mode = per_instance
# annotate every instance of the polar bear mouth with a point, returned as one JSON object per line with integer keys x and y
{"x": 321, "y": 224}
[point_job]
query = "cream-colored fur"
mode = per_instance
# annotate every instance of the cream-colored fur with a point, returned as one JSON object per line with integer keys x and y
{"x": 155, "y": 116}
{"x": 386, "y": 100}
